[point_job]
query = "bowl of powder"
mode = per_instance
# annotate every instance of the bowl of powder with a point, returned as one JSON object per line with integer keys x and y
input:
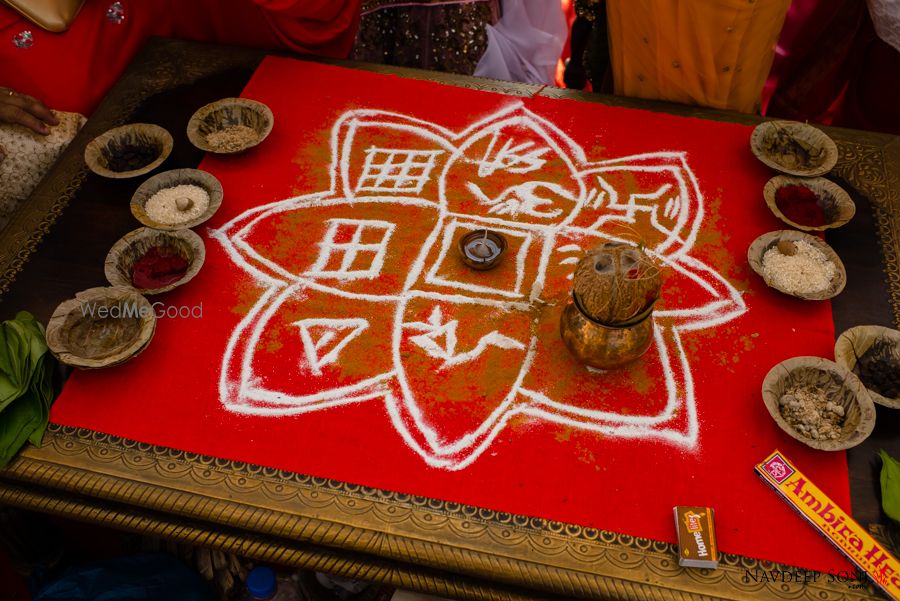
{"x": 808, "y": 203}
{"x": 177, "y": 199}
{"x": 819, "y": 403}
{"x": 128, "y": 151}
{"x": 154, "y": 261}
{"x": 873, "y": 354}
{"x": 797, "y": 264}
{"x": 230, "y": 125}
{"x": 101, "y": 327}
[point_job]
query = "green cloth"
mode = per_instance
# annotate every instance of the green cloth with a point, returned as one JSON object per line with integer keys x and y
{"x": 26, "y": 384}
{"x": 890, "y": 485}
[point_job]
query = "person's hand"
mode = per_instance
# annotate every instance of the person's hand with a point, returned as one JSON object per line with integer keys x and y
{"x": 25, "y": 110}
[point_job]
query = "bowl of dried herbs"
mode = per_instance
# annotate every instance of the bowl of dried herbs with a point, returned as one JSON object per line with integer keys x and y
{"x": 873, "y": 354}
{"x": 128, "y": 151}
{"x": 794, "y": 148}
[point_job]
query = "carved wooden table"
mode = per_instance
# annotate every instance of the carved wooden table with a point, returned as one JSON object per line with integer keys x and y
{"x": 411, "y": 542}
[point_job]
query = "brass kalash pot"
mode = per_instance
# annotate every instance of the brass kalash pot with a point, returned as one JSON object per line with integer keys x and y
{"x": 609, "y": 322}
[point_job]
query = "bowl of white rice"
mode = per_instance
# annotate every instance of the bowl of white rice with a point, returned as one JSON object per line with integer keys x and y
{"x": 177, "y": 199}
{"x": 797, "y": 264}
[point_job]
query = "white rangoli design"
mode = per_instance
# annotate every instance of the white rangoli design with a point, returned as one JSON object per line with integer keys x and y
{"x": 513, "y": 172}
{"x": 323, "y": 339}
{"x": 435, "y": 331}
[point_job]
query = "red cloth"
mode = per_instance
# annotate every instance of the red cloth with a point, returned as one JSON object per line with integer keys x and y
{"x": 72, "y": 71}
{"x": 172, "y": 394}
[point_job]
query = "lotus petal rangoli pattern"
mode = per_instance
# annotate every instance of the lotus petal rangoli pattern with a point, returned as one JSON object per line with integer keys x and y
{"x": 469, "y": 350}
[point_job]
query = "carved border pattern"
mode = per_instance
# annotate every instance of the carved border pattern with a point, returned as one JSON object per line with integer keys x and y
{"x": 866, "y": 167}
{"x": 261, "y": 548}
{"x": 516, "y": 551}
{"x": 425, "y": 544}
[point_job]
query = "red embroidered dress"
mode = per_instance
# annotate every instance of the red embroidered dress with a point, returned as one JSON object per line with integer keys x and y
{"x": 73, "y": 70}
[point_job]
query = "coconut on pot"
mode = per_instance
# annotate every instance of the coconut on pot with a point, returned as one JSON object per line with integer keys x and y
{"x": 617, "y": 283}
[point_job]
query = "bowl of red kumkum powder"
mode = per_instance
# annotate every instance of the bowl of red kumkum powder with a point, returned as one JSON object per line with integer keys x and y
{"x": 155, "y": 261}
{"x": 809, "y": 204}
{"x": 128, "y": 151}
